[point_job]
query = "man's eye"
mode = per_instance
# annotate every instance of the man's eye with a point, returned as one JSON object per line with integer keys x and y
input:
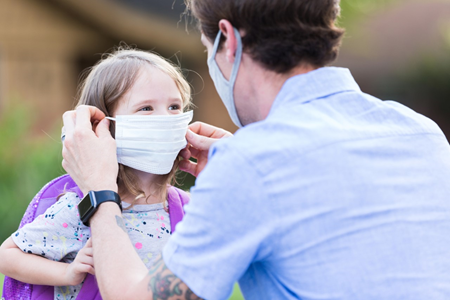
{"x": 174, "y": 107}
{"x": 147, "y": 108}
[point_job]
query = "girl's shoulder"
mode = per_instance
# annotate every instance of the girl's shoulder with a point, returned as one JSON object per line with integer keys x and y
{"x": 68, "y": 198}
{"x": 64, "y": 210}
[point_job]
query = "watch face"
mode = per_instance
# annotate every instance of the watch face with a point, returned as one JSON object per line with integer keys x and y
{"x": 84, "y": 206}
{"x": 92, "y": 200}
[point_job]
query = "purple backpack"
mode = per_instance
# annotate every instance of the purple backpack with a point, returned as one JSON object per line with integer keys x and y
{"x": 46, "y": 197}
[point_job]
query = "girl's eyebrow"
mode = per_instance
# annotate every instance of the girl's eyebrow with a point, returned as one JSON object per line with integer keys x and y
{"x": 144, "y": 102}
{"x": 152, "y": 101}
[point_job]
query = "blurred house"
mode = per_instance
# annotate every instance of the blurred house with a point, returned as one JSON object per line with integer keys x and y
{"x": 46, "y": 44}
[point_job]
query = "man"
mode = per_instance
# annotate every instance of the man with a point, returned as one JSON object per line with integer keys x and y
{"x": 324, "y": 193}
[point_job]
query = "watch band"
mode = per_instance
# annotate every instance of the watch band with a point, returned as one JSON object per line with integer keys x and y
{"x": 92, "y": 200}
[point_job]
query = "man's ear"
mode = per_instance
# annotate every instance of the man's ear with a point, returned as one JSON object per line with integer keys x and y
{"x": 230, "y": 43}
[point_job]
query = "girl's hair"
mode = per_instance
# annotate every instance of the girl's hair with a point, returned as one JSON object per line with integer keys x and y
{"x": 106, "y": 84}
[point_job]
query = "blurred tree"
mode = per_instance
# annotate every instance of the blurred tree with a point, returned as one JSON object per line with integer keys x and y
{"x": 422, "y": 82}
{"x": 353, "y": 10}
{"x": 424, "y": 87}
{"x": 26, "y": 164}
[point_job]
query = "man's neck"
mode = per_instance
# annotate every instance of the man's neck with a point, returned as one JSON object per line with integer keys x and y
{"x": 264, "y": 86}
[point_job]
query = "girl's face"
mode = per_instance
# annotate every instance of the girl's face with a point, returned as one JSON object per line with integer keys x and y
{"x": 153, "y": 93}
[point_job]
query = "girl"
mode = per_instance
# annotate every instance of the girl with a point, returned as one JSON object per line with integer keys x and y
{"x": 145, "y": 95}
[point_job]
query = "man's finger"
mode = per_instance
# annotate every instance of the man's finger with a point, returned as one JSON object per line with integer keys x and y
{"x": 102, "y": 129}
{"x": 186, "y": 152}
{"x": 207, "y": 130}
{"x": 199, "y": 141}
{"x": 86, "y": 115}
{"x": 69, "y": 121}
{"x": 195, "y": 153}
{"x": 188, "y": 167}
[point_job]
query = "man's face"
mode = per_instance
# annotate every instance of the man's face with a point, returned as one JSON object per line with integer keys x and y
{"x": 224, "y": 66}
{"x": 207, "y": 44}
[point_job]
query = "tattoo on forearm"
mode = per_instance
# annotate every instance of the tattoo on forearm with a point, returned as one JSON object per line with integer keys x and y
{"x": 165, "y": 285}
{"x": 121, "y": 223}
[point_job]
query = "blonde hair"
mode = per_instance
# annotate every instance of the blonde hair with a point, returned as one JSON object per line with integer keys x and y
{"x": 106, "y": 84}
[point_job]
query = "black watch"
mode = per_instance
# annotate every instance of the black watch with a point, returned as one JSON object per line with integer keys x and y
{"x": 88, "y": 206}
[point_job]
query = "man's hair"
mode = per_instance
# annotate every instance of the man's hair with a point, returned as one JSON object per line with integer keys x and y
{"x": 280, "y": 34}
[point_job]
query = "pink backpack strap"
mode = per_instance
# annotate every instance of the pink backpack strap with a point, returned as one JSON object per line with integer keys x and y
{"x": 13, "y": 289}
{"x": 90, "y": 289}
{"x": 46, "y": 197}
{"x": 177, "y": 199}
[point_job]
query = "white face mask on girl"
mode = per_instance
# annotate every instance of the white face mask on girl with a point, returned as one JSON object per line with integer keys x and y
{"x": 225, "y": 88}
{"x": 151, "y": 143}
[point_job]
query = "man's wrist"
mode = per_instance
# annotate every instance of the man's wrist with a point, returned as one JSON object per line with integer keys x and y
{"x": 93, "y": 200}
{"x": 105, "y": 212}
{"x": 100, "y": 187}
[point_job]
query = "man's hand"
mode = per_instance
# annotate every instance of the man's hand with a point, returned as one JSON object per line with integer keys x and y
{"x": 83, "y": 264}
{"x": 89, "y": 156}
{"x": 200, "y": 136}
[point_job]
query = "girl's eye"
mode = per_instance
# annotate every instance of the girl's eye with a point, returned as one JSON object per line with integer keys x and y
{"x": 147, "y": 108}
{"x": 174, "y": 107}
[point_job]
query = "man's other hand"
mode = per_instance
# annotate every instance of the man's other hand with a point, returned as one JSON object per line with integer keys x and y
{"x": 200, "y": 137}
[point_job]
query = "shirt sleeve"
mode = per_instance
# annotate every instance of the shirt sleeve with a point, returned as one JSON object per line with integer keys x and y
{"x": 58, "y": 234}
{"x": 221, "y": 235}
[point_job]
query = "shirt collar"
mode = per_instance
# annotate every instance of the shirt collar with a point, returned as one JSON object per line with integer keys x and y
{"x": 316, "y": 84}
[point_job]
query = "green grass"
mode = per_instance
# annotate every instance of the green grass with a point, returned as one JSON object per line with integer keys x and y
{"x": 235, "y": 296}
{"x": 236, "y": 293}
{"x": 1, "y": 282}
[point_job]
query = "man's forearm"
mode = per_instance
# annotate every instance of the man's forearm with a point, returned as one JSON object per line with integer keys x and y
{"x": 118, "y": 267}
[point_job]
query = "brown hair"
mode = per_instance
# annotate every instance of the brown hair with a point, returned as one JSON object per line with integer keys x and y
{"x": 279, "y": 34}
{"x": 105, "y": 85}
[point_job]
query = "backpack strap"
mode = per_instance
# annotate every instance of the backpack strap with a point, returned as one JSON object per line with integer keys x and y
{"x": 14, "y": 289}
{"x": 89, "y": 289}
{"x": 176, "y": 198}
{"x": 46, "y": 197}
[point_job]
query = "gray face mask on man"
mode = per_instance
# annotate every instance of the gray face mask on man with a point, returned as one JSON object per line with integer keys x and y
{"x": 225, "y": 88}
{"x": 151, "y": 143}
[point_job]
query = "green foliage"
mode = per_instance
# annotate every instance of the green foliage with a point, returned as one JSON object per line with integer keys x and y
{"x": 353, "y": 10}
{"x": 424, "y": 87}
{"x": 2, "y": 277}
{"x": 427, "y": 81}
{"x": 28, "y": 160}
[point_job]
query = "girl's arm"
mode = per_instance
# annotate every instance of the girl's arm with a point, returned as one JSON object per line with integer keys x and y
{"x": 34, "y": 269}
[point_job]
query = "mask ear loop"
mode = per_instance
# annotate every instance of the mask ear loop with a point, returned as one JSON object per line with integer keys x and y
{"x": 115, "y": 120}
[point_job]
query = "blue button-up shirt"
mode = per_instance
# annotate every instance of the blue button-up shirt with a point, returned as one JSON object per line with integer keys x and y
{"x": 335, "y": 195}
